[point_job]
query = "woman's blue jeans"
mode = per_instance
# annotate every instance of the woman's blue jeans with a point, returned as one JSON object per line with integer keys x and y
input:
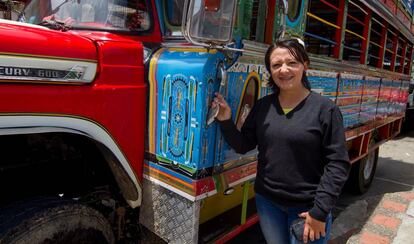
{"x": 275, "y": 221}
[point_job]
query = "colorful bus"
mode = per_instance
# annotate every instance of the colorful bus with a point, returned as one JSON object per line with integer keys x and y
{"x": 105, "y": 125}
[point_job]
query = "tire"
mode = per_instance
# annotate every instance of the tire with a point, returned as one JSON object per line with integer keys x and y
{"x": 49, "y": 221}
{"x": 362, "y": 173}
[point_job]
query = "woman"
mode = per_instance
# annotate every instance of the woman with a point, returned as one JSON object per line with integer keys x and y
{"x": 302, "y": 161}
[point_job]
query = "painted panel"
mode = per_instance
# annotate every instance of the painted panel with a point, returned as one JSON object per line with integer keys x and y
{"x": 404, "y": 95}
{"x": 349, "y": 98}
{"x": 395, "y": 98}
{"x": 369, "y": 100}
{"x": 323, "y": 82}
{"x": 181, "y": 90}
{"x": 384, "y": 103}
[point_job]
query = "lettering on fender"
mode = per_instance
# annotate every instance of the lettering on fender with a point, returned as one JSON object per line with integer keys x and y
{"x": 75, "y": 73}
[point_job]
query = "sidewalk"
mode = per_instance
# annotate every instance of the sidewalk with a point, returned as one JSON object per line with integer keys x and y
{"x": 383, "y": 219}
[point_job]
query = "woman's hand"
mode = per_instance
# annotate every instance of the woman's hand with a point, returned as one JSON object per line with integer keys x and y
{"x": 313, "y": 229}
{"x": 224, "y": 109}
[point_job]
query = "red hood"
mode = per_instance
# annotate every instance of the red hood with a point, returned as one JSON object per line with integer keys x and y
{"x": 25, "y": 39}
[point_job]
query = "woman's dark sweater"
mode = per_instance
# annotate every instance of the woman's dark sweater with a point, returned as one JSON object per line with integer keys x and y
{"x": 302, "y": 158}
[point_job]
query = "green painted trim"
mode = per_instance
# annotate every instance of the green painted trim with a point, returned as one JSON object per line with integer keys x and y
{"x": 244, "y": 203}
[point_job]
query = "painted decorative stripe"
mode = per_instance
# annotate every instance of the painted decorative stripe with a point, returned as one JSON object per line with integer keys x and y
{"x": 169, "y": 172}
{"x": 168, "y": 179}
{"x": 186, "y": 187}
{"x": 153, "y": 101}
{"x": 34, "y": 69}
{"x": 240, "y": 174}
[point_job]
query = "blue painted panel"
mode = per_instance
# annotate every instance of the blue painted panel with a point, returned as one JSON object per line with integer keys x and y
{"x": 325, "y": 86}
{"x": 185, "y": 85}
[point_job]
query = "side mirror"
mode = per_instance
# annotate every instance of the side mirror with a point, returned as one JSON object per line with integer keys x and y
{"x": 209, "y": 22}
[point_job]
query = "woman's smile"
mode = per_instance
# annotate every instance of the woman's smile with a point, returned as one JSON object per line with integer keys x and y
{"x": 286, "y": 70}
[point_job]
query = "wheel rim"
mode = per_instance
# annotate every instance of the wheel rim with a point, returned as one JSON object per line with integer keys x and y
{"x": 369, "y": 165}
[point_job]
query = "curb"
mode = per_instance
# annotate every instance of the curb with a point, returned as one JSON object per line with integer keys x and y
{"x": 392, "y": 221}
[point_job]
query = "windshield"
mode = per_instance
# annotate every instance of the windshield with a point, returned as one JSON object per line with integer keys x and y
{"x": 123, "y": 15}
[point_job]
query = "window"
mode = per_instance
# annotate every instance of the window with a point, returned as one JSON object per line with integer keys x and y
{"x": 118, "y": 15}
{"x": 401, "y": 46}
{"x": 321, "y": 27}
{"x": 354, "y": 31}
{"x": 390, "y": 50}
{"x": 375, "y": 45}
{"x": 407, "y": 62}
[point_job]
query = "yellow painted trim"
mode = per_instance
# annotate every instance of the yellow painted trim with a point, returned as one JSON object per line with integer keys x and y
{"x": 375, "y": 44}
{"x": 355, "y": 34}
{"x": 322, "y": 20}
{"x": 47, "y": 57}
{"x": 152, "y": 99}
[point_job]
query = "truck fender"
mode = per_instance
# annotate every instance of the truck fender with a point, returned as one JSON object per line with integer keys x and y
{"x": 34, "y": 124}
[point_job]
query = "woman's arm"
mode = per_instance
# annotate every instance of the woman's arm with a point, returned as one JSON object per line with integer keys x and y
{"x": 337, "y": 164}
{"x": 336, "y": 170}
{"x": 241, "y": 141}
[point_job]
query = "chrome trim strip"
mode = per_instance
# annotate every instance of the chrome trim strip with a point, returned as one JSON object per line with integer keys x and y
{"x": 23, "y": 68}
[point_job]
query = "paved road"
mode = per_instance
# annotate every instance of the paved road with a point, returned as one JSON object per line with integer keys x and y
{"x": 395, "y": 173}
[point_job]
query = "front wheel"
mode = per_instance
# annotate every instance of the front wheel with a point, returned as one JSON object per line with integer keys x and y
{"x": 53, "y": 221}
{"x": 362, "y": 173}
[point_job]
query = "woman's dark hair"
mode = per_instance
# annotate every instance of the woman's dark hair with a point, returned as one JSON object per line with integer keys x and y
{"x": 298, "y": 52}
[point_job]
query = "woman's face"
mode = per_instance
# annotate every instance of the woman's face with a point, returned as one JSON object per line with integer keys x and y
{"x": 286, "y": 71}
